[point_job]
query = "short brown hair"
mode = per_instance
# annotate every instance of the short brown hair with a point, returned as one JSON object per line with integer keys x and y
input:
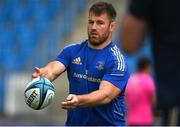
{"x": 103, "y": 7}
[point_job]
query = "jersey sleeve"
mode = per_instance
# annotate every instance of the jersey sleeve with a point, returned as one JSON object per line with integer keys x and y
{"x": 141, "y": 9}
{"x": 64, "y": 56}
{"x": 117, "y": 71}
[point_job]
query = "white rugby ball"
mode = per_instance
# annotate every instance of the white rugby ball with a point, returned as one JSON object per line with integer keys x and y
{"x": 39, "y": 93}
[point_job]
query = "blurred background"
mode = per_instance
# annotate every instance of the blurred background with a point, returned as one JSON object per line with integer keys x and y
{"x": 32, "y": 33}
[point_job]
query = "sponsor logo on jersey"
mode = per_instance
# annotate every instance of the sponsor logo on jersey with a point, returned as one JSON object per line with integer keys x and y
{"x": 86, "y": 77}
{"x": 77, "y": 61}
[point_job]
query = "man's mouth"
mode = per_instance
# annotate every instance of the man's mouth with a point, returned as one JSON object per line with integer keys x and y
{"x": 94, "y": 34}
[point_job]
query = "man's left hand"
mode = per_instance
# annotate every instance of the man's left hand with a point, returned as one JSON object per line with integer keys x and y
{"x": 71, "y": 102}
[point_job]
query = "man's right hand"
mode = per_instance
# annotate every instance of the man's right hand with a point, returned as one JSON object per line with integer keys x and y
{"x": 51, "y": 71}
{"x": 37, "y": 73}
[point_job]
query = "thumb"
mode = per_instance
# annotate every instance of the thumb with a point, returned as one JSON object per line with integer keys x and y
{"x": 37, "y": 69}
{"x": 37, "y": 72}
{"x": 70, "y": 97}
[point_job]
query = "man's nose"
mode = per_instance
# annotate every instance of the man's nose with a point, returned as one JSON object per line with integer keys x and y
{"x": 94, "y": 26}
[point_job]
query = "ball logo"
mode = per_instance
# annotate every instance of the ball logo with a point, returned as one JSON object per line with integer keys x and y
{"x": 32, "y": 97}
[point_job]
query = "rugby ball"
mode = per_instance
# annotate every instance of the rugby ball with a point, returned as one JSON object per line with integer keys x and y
{"x": 39, "y": 93}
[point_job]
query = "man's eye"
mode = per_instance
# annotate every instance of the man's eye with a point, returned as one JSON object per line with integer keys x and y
{"x": 100, "y": 23}
{"x": 91, "y": 22}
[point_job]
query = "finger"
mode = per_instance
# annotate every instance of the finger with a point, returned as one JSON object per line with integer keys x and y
{"x": 34, "y": 75}
{"x": 67, "y": 103}
{"x": 65, "y": 107}
{"x": 64, "y": 103}
{"x": 68, "y": 107}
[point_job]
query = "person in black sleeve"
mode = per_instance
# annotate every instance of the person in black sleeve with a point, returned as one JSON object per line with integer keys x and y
{"x": 160, "y": 19}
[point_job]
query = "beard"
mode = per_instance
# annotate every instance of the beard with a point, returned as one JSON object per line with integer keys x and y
{"x": 97, "y": 40}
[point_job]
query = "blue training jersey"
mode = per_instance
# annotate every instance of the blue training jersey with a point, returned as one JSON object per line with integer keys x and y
{"x": 86, "y": 68}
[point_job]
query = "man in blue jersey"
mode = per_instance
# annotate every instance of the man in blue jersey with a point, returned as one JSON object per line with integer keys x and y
{"x": 97, "y": 73}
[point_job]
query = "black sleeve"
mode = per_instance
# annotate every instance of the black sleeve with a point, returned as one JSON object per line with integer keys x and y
{"x": 141, "y": 9}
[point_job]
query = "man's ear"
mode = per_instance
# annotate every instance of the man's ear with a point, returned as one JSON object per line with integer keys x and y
{"x": 112, "y": 26}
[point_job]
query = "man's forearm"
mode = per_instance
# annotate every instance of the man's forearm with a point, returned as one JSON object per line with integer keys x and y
{"x": 106, "y": 93}
{"x": 98, "y": 97}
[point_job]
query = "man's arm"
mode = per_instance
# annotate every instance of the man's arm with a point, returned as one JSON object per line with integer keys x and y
{"x": 51, "y": 71}
{"x": 106, "y": 93}
{"x": 133, "y": 32}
